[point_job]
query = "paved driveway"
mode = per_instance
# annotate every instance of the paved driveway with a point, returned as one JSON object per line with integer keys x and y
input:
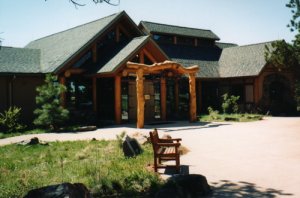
{"x": 256, "y": 159}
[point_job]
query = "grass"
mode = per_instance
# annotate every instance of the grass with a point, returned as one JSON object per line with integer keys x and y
{"x": 100, "y": 165}
{"x": 231, "y": 117}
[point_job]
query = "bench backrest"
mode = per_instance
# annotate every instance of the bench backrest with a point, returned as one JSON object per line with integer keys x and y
{"x": 154, "y": 139}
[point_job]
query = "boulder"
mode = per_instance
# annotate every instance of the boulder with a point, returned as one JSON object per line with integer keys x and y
{"x": 32, "y": 141}
{"x": 182, "y": 186}
{"x": 76, "y": 190}
{"x": 131, "y": 147}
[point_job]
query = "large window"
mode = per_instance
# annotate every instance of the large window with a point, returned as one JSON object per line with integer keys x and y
{"x": 125, "y": 101}
{"x": 79, "y": 93}
{"x": 185, "y": 41}
{"x": 183, "y": 98}
{"x": 157, "y": 109}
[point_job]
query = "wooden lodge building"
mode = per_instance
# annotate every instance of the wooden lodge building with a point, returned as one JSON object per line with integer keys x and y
{"x": 143, "y": 73}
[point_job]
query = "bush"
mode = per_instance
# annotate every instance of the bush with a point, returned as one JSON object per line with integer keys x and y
{"x": 229, "y": 104}
{"x": 213, "y": 114}
{"x": 9, "y": 120}
{"x": 50, "y": 114}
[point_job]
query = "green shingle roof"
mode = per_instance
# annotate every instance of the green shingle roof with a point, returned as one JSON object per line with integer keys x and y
{"x": 241, "y": 61}
{"x": 177, "y": 30}
{"x": 58, "y": 48}
{"x": 19, "y": 60}
{"x": 122, "y": 57}
{"x": 208, "y": 69}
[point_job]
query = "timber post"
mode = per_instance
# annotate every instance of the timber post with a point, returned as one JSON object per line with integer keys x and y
{"x": 140, "y": 98}
{"x": 193, "y": 103}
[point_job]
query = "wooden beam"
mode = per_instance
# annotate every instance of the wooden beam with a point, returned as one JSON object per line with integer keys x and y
{"x": 141, "y": 57}
{"x": 118, "y": 99}
{"x": 140, "y": 98}
{"x": 199, "y": 96}
{"x": 95, "y": 94}
{"x": 164, "y": 66}
{"x": 196, "y": 42}
{"x": 175, "y": 40}
{"x": 163, "y": 98}
{"x": 193, "y": 103}
{"x": 149, "y": 55}
{"x": 124, "y": 31}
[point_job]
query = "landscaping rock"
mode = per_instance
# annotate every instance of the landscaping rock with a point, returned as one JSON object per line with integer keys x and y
{"x": 76, "y": 190}
{"x": 86, "y": 128}
{"x": 131, "y": 147}
{"x": 182, "y": 186}
{"x": 33, "y": 141}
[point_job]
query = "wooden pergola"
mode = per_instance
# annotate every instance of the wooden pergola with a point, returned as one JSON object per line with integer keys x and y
{"x": 141, "y": 69}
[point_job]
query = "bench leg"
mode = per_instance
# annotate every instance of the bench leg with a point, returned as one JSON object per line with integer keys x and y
{"x": 178, "y": 164}
{"x": 155, "y": 164}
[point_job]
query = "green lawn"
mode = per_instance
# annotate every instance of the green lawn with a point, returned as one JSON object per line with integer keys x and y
{"x": 32, "y": 131}
{"x": 230, "y": 117}
{"x": 100, "y": 165}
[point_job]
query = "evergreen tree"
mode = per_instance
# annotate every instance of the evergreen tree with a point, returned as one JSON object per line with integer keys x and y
{"x": 287, "y": 55}
{"x": 50, "y": 113}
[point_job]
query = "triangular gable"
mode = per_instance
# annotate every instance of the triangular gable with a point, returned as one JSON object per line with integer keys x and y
{"x": 58, "y": 49}
{"x": 129, "y": 51}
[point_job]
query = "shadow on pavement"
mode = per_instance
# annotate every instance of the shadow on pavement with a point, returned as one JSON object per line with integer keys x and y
{"x": 226, "y": 188}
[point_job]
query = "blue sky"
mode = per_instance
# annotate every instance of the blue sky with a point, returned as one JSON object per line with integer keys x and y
{"x": 236, "y": 21}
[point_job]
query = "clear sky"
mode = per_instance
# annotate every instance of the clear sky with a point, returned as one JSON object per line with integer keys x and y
{"x": 235, "y": 21}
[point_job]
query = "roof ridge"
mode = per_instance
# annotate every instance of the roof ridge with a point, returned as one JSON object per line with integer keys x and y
{"x": 226, "y": 43}
{"x": 19, "y": 48}
{"x": 118, "y": 13}
{"x": 175, "y": 26}
{"x": 260, "y": 43}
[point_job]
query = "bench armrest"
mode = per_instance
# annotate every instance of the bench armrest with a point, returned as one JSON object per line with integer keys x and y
{"x": 169, "y": 144}
{"x": 170, "y": 140}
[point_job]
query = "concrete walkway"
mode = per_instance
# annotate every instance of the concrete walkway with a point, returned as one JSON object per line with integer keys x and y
{"x": 255, "y": 159}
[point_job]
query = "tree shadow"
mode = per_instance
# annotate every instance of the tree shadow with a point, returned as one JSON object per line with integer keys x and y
{"x": 182, "y": 126}
{"x": 226, "y": 188}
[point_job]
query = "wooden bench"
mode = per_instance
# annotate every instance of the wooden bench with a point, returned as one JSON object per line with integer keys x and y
{"x": 165, "y": 150}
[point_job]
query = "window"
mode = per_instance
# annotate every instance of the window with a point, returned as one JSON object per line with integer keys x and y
{"x": 79, "y": 93}
{"x": 185, "y": 41}
{"x": 163, "y": 38}
{"x": 124, "y": 101}
{"x": 85, "y": 58}
{"x": 249, "y": 93}
{"x": 157, "y": 110}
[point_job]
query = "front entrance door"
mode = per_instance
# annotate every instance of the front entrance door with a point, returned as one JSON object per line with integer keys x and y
{"x": 149, "y": 101}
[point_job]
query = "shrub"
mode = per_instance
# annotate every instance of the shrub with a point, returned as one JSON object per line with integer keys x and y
{"x": 213, "y": 114}
{"x": 9, "y": 120}
{"x": 229, "y": 104}
{"x": 50, "y": 113}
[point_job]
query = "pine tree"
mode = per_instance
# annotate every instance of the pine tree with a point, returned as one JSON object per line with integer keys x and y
{"x": 50, "y": 113}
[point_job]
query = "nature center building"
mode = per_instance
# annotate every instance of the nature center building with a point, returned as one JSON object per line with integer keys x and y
{"x": 123, "y": 72}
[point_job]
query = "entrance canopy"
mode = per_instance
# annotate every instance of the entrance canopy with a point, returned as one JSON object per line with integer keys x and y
{"x": 140, "y": 70}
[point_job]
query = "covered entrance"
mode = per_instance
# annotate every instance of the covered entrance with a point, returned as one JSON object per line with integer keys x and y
{"x": 152, "y": 110}
{"x": 147, "y": 97}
